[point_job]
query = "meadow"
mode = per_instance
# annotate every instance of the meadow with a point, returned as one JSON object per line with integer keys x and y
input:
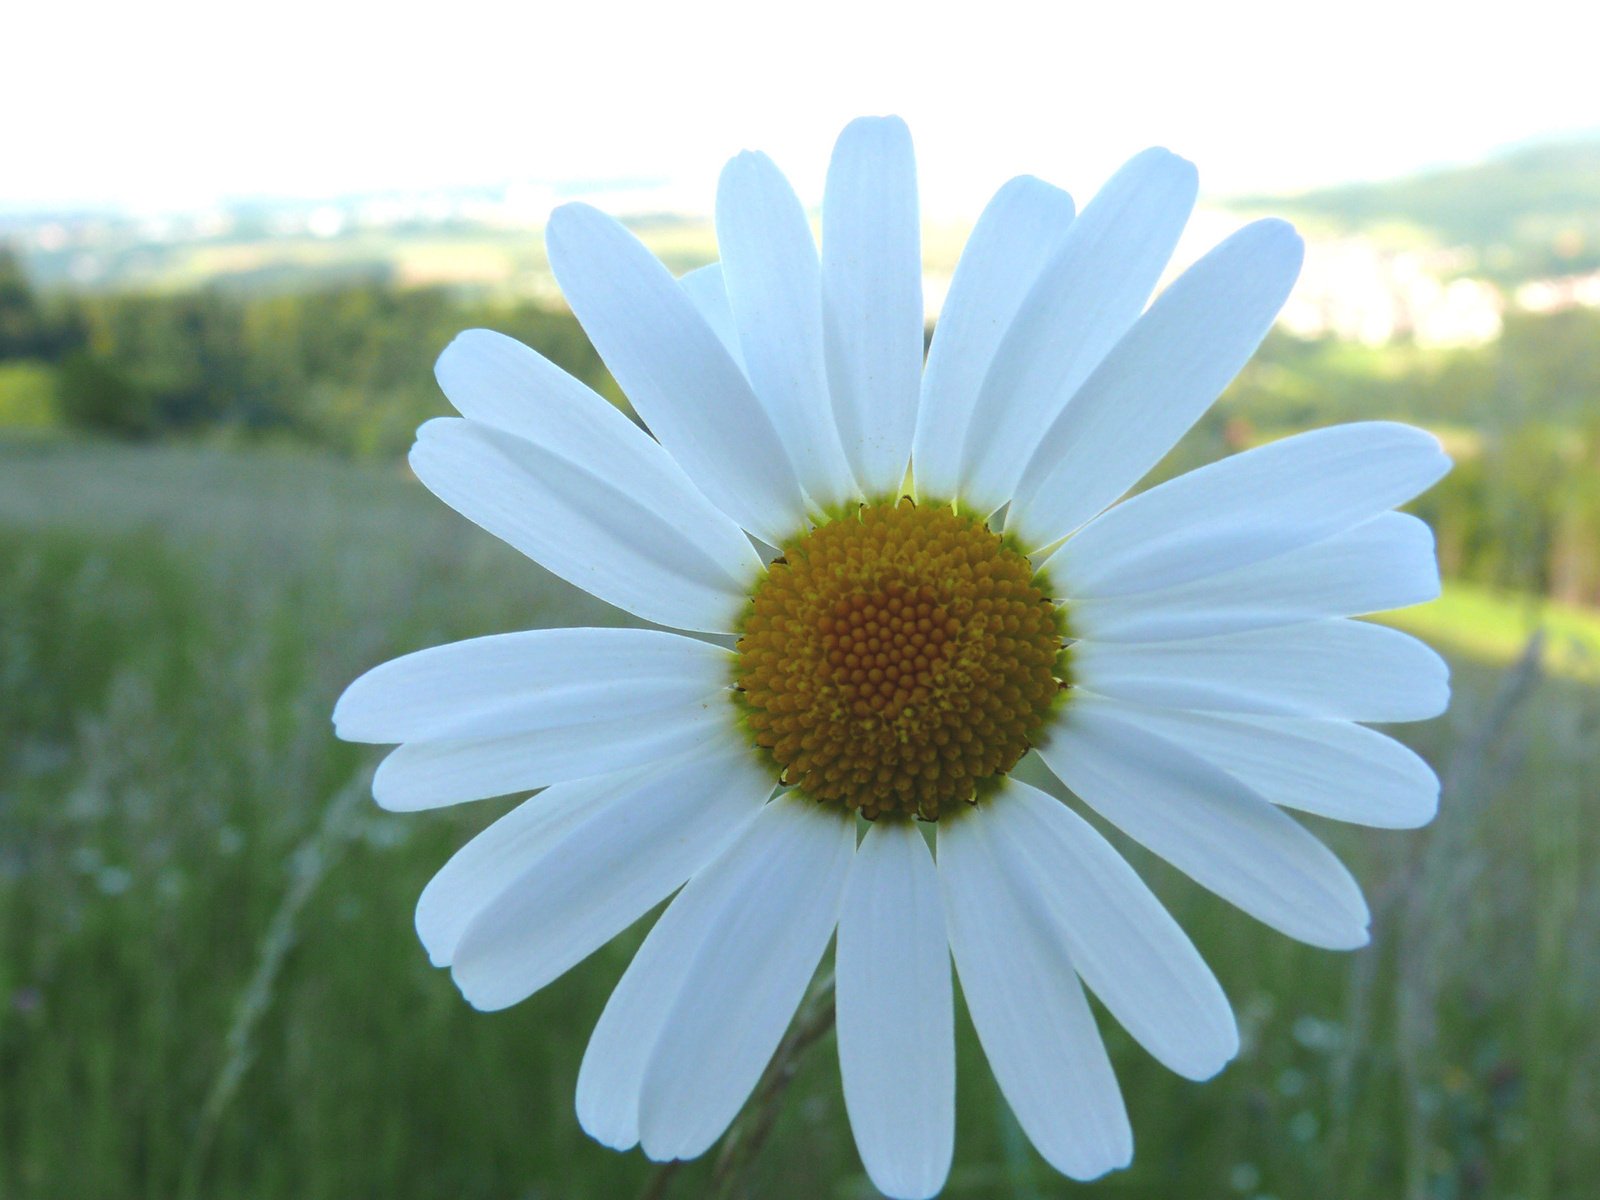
{"x": 210, "y": 987}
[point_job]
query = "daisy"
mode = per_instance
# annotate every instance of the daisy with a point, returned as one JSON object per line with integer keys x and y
{"x": 905, "y": 577}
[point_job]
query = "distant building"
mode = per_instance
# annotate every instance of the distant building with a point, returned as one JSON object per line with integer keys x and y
{"x": 1356, "y": 289}
{"x": 1554, "y": 295}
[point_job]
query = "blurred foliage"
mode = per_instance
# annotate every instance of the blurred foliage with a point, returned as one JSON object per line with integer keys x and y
{"x": 175, "y": 623}
{"x": 1521, "y": 417}
{"x": 29, "y": 326}
{"x": 98, "y": 395}
{"x": 346, "y": 368}
{"x": 1544, "y": 368}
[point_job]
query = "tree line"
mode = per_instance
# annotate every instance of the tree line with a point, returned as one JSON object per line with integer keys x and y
{"x": 347, "y": 368}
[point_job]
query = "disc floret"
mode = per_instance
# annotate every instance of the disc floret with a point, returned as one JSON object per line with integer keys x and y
{"x": 898, "y": 659}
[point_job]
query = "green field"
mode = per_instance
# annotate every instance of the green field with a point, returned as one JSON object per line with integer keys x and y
{"x": 209, "y": 984}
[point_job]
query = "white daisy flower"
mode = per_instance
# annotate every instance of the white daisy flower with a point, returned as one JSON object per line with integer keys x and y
{"x": 957, "y": 582}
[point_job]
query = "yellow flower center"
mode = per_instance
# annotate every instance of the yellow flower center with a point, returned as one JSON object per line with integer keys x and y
{"x": 896, "y": 660}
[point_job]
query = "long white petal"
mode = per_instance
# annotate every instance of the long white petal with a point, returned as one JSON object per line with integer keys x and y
{"x": 514, "y": 682}
{"x": 1124, "y": 944}
{"x": 1210, "y": 826}
{"x": 498, "y": 855}
{"x": 776, "y": 896}
{"x": 496, "y": 380}
{"x": 1331, "y": 768}
{"x": 1249, "y": 507}
{"x": 774, "y": 282}
{"x": 709, "y": 294}
{"x": 629, "y": 542}
{"x": 637, "y": 842}
{"x": 675, "y": 371}
{"x": 872, "y": 298}
{"x": 1081, "y": 303}
{"x": 1156, "y": 382}
{"x": 1029, "y": 1009}
{"x": 433, "y": 774}
{"x": 1018, "y": 233}
{"x": 1387, "y": 562}
{"x": 1352, "y": 670}
{"x": 634, "y": 1017}
{"x": 895, "y": 1016}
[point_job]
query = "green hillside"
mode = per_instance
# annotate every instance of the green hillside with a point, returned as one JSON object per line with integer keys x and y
{"x": 1528, "y": 212}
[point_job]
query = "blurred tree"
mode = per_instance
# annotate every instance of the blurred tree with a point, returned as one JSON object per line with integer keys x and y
{"x": 22, "y": 322}
{"x": 28, "y": 327}
{"x": 94, "y": 394}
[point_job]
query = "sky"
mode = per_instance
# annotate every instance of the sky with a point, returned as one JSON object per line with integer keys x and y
{"x": 170, "y": 104}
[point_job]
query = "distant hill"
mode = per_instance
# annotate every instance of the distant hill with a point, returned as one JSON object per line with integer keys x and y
{"x": 1530, "y": 211}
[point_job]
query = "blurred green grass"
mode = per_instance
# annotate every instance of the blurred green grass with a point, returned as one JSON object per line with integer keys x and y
{"x": 175, "y": 624}
{"x": 1493, "y": 626}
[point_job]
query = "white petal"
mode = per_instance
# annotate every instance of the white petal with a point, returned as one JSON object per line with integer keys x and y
{"x": 1251, "y": 506}
{"x": 1387, "y": 562}
{"x": 776, "y": 895}
{"x": 872, "y": 298}
{"x": 514, "y": 682}
{"x": 631, "y": 1023}
{"x": 496, "y": 380}
{"x": 1124, "y": 944}
{"x": 1351, "y": 670}
{"x": 1156, "y": 382}
{"x": 709, "y": 294}
{"x": 433, "y": 774}
{"x": 1331, "y": 768}
{"x": 1018, "y": 233}
{"x": 1082, "y": 302}
{"x": 774, "y": 282}
{"x": 626, "y": 540}
{"x": 636, "y": 842}
{"x": 487, "y": 865}
{"x": 675, "y": 372}
{"x": 1029, "y": 1009}
{"x": 895, "y": 1017}
{"x": 1210, "y": 826}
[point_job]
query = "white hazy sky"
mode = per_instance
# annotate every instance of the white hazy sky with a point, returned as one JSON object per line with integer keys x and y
{"x": 172, "y": 103}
